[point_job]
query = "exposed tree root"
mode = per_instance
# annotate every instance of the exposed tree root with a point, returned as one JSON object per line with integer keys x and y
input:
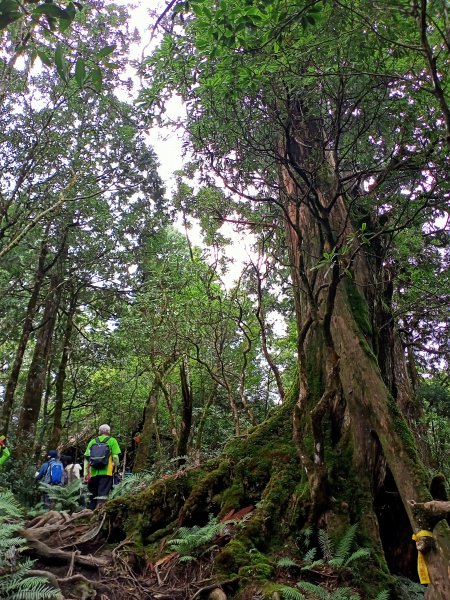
{"x": 45, "y": 552}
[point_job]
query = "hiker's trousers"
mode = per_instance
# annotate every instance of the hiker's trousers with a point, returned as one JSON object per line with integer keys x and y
{"x": 99, "y": 488}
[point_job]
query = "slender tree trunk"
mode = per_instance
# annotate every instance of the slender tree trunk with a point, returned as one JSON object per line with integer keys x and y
{"x": 260, "y": 316}
{"x": 61, "y": 375}
{"x": 186, "y": 415}
{"x": 202, "y": 423}
{"x": 42, "y": 435}
{"x": 34, "y": 388}
{"x": 27, "y": 328}
{"x": 142, "y": 459}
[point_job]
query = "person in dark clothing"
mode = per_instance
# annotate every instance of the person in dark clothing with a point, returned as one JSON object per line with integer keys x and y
{"x": 44, "y": 473}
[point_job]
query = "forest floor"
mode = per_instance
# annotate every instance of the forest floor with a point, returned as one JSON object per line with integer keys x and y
{"x": 73, "y": 553}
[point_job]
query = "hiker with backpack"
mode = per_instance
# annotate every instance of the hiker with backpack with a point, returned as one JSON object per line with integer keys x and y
{"x": 51, "y": 472}
{"x": 4, "y": 452}
{"x": 101, "y": 460}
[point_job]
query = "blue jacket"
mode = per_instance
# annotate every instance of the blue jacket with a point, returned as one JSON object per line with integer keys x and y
{"x": 43, "y": 470}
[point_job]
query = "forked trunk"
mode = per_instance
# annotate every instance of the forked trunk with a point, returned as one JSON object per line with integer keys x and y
{"x": 354, "y": 390}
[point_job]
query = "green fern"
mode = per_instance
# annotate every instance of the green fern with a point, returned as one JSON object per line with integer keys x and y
{"x": 326, "y": 545}
{"x": 311, "y": 588}
{"x": 193, "y": 538}
{"x": 358, "y": 554}
{"x": 132, "y": 483}
{"x": 341, "y": 593}
{"x": 384, "y": 595}
{"x": 343, "y": 555}
{"x": 63, "y": 497}
{"x": 306, "y": 535}
{"x": 345, "y": 544}
{"x": 289, "y": 593}
{"x": 312, "y": 565}
{"x": 285, "y": 562}
{"x": 16, "y": 583}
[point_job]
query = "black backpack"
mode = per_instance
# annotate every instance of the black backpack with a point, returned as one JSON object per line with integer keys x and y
{"x": 99, "y": 453}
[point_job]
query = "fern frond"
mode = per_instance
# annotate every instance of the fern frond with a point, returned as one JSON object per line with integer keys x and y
{"x": 7, "y": 530}
{"x": 9, "y": 507}
{"x": 175, "y": 542}
{"x": 346, "y": 543}
{"x": 306, "y": 534}
{"x": 285, "y": 562}
{"x": 16, "y": 584}
{"x": 325, "y": 544}
{"x": 132, "y": 483}
{"x": 289, "y": 593}
{"x": 190, "y": 539}
{"x": 383, "y": 595}
{"x": 359, "y": 554}
{"x": 311, "y": 588}
{"x": 310, "y": 555}
{"x": 316, "y": 563}
{"x": 34, "y": 592}
{"x": 344, "y": 593}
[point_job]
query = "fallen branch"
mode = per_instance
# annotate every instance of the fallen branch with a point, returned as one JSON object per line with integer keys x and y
{"x": 44, "y": 551}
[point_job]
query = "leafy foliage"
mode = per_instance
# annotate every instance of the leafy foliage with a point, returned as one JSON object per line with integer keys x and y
{"x": 132, "y": 483}
{"x": 290, "y": 593}
{"x": 286, "y": 562}
{"x": 63, "y": 497}
{"x": 341, "y": 593}
{"x": 195, "y": 538}
{"x": 339, "y": 558}
{"x": 405, "y": 589}
{"x": 16, "y": 583}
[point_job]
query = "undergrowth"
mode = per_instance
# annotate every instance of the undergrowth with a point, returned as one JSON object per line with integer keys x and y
{"x": 16, "y": 579}
{"x": 336, "y": 559}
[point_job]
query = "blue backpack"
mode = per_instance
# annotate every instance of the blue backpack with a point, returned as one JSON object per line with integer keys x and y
{"x": 55, "y": 473}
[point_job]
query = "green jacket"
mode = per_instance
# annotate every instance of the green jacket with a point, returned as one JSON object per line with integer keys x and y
{"x": 113, "y": 457}
{"x": 4, "y": 455}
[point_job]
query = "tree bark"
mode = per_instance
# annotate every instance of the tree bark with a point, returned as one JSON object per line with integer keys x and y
{"x": 36, "y": 375}
{"x": 142, "y": 460}
{"x": 61, "y": 375}
{"x": 342, "y": 379}
{"x": 186, "y": 415}
{"x": 27, "y": 328}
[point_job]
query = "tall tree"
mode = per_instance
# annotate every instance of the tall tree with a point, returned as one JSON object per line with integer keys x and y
{"x": 78, "y": 173}
{"x": 337, "y": 114}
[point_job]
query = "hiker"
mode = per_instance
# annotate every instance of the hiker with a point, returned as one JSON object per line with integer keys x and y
{"x": 73, "y": 471}
{"x": 4, "y": 452}
{"x": 51, "y": 472}
{"x": 101, "y": 459}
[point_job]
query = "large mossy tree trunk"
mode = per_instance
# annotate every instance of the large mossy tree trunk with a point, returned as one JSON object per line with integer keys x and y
{"x": 354, "y": 392}
{"x": 339, "y": 450}
{"x": 350, "y": 455}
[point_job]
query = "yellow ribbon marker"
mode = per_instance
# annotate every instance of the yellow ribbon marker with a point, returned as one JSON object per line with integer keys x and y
{"x": 422, "y": 570}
